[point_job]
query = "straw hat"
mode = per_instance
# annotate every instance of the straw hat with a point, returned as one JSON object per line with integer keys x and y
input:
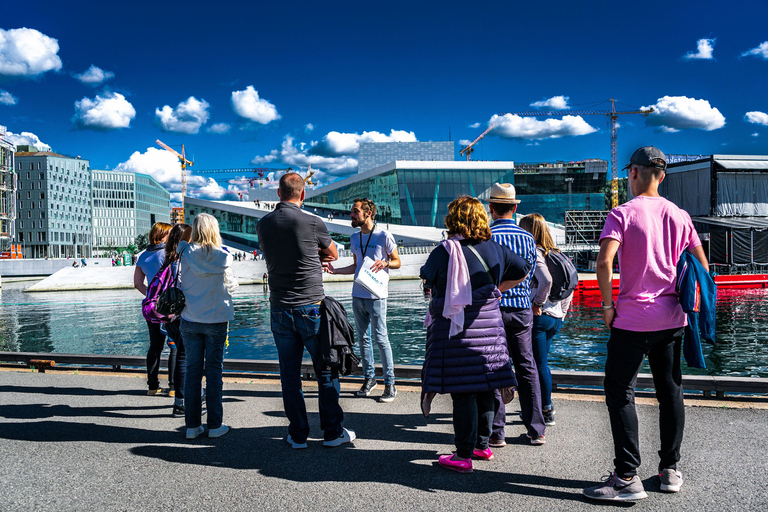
{"x": 503, "y": 193}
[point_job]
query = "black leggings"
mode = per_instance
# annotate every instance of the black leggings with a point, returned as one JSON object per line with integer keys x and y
{"x": 156, "y": 345}
{"x": 472, "y": 421}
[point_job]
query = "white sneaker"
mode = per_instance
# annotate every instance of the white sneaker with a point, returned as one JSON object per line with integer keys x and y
{"x": 217, "y": 432}
{"x": 346, "y": 437}
{"x": 193, "y": 433}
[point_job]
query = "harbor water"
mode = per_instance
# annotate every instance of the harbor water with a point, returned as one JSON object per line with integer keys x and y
{"x": 110, "y": 322}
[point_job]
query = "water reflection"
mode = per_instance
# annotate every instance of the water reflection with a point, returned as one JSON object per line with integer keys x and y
{"x": 110, "y": 322}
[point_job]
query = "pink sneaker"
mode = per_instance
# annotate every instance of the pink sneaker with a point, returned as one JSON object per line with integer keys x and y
{"x": 456, "y": 464}
{"x": 486, "y": 454}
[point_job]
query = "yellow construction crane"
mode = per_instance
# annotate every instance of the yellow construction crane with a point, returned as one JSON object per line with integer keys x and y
{"x": 613, "y": 116}
{"x": 467, "y": 150}
{"x": 308, "y": 177}
{"x": 184, "y": 164}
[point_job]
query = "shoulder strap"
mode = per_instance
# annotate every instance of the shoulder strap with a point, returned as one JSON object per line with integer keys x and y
{"x": 482, "y": 262}
{"x": 178, "y": 268}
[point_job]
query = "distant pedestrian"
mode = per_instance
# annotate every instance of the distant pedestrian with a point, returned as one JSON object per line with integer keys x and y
{"x": 649, "y": 234}
{"x": 83, "y": 263}
{"x": 147, "y": 265}
{"x": 208, "y": 283}
{"x": 466, "y": 353}
{"x": 294, "y": 245}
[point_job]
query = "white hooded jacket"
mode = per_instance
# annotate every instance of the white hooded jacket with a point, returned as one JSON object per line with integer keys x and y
{"x": 207, "y": 280}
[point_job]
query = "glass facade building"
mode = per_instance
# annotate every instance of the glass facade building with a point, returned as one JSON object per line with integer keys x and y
{"x": 375, "y": 154}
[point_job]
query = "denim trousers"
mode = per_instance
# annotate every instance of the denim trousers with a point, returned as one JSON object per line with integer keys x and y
{"x": 626, "y": 351}
{"x": 179, "y": 369}
{"x": 545, "y": 328}
{"x": 204, "y": 347}
{"x": 517, "y": 327}
{"x": 156, "y": 346}
{"x": 472, "y": 421}
{"x": 371, "y": 321}
{"x": 295, "y": 329}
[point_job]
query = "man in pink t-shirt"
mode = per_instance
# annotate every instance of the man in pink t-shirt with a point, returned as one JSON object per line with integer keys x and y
{"x": 649, "y": 233}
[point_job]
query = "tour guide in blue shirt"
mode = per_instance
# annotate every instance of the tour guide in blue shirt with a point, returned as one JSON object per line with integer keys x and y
{"x": 518, "y": 319}
{"x": 295, "y": 244}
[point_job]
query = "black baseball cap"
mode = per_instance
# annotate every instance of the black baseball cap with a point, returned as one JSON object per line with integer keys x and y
{"x": 645, "y": 156}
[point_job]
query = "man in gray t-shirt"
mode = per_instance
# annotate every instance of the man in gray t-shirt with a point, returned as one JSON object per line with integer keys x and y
{"x": 295, "y": 244}
{"x": 370, "y": 311}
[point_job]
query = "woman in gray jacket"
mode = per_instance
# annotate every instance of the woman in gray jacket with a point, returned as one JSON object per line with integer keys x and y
{"x": 207, "y": 281}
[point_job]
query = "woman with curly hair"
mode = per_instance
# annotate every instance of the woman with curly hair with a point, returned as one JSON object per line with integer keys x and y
{"x": 466, "y": 352}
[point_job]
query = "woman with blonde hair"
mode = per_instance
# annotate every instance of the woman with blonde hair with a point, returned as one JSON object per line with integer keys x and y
{"x": 207, "y": 281}
{"x": 149, "y": 262}
{"x": 466, "y": 352}
{"x": 548, "y": 315}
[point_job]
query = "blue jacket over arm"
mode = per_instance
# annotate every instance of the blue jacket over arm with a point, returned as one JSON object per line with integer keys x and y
{"x": 698, "y": 293}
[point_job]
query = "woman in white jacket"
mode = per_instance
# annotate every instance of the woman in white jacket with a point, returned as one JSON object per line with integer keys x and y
{"x": 207, "y": 281}
{"x": 548, "y": 316}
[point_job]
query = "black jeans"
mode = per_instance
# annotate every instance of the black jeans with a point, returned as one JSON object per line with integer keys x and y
{"x": 472, "y": 421}
{"x": 626, "y": 351}
{"x": 179, "y": 368}
{"x": 156, "y": 346}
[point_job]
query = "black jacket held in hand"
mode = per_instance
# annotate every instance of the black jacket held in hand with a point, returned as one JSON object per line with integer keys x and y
{"x": 337, "y": 337}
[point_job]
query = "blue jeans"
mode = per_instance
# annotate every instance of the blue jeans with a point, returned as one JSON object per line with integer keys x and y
{"x": 204, "y": 346}
{"x": 295, "y": 329}
{"x": 545, "y": 328}
{"x": 371, "y": 318}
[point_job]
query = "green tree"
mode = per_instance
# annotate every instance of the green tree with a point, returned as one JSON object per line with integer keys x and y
{"x": 141, "y": 242}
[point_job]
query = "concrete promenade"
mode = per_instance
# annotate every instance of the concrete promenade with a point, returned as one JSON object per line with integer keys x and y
{"x": 93, "y": 441}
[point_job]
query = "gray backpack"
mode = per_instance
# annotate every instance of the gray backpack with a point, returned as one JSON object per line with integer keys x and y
{"x": 565, "y": 277}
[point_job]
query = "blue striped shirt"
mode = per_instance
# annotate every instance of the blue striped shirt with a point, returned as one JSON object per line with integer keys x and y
{"x": 506, "y": 232}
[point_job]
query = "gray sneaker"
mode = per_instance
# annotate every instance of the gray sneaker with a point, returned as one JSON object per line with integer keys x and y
{"x": 616, "y": 489}
{"x": 671, "y": 480}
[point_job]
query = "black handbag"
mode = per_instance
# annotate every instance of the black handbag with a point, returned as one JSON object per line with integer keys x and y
{"x": 172, "y": 301}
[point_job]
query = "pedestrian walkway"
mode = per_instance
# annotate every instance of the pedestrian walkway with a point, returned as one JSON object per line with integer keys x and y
{"x": 96, "y": 442}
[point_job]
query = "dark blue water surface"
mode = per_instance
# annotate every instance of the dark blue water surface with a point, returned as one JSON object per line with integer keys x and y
{"x": 110, "y": 322}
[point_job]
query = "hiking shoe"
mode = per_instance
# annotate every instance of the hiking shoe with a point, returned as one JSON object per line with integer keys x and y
{"x": 193, "y": 433}
{"x": 347, "y": 436}
{"x": 614, "y": 488}
{"x": 454, "y": 463}
{"x": 537, "y": 441}
{"x": 389, "y": 393}
{"x": 154, "y": 392}
{"x": 497, "y": 443}
{"x": 294, "y": 444}
{"x": 549, "y": 417}
{"x": 671, "y": 480}
{"x": 368, "y": 386}
{"x": 178, "y": 411}
{"x": 217, "y": 432}
{"x": 486, "y": 454}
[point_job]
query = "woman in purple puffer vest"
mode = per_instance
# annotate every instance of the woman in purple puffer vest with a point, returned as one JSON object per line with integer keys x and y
{"x": 466, "y": 352}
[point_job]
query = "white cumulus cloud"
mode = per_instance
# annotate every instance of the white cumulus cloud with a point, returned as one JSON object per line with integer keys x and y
{"x": 704, "y": 50}
{"x": 327, "y": 168}
{"x": 219, "y": 128}
{"x": 756, "y": 118}
{"x": 107, "y": 111}
{"x": 7, "y": 98}
{"x": 94, "y": 76}
{"x": 755, "y": 134}
{"x": 555, "y": 102}
{"x": 187, "y": 117}
{"x": 337, "y": 144}
{"x": 760, "y": 51}
{"x": 474, "y": 125}
{"x": 27, "y": 139}
{"x": 309, "y": 127}
{"x": 511, "y": 126}
{"x": 26, "y": 52}
{"x": 247, "y": 104}
{"x": 674, "y": 113}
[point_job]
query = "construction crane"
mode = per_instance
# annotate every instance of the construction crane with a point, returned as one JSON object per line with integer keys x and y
{"x": 612, "y": 116}
{"x": 184, "y": 164}
{"x": 467, "y": 150}
{"x": 308, "y": 177}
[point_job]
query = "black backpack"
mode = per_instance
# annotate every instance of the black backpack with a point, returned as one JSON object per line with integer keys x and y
{"x": 565, "y": 277}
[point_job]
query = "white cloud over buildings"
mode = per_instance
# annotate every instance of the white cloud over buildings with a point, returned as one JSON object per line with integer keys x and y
{"x": 107, "y": 111}
{"x": 511, "y": 126}
{"x": 337, "y": 144}
{"x": 555, "y": 103}
{"x": 675, "y": 113}
{"x": 187, "y": 117}
{"x": 27, "y": 53}
{"x": 704, "y": 50}
{"x": 27, "y": 139}
{"x": 248, "y": 105}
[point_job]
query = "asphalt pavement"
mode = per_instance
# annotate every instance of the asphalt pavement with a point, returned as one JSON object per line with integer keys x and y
{"x": 96, "y": 442}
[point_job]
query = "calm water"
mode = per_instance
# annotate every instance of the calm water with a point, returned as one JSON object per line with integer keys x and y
{"x": 110, "y": 322}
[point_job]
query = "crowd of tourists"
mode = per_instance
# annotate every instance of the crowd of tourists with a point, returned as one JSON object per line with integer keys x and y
{"x": 500, "y": 291}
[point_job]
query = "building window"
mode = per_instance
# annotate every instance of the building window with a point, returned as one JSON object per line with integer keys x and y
{"x": 29, "y": 195}
{"x": 21, "y": 224}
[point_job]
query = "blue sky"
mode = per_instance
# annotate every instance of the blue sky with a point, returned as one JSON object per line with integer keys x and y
{"x": 286, "y": 84}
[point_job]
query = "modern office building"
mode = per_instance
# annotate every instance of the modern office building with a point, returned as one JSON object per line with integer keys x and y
{"x": 53, "y": 214}
{"x": 126, "y": 204}
{"x": 7, "y": 189}
{"x": 375, "y": 154}
{"x": 177, "y": 215}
